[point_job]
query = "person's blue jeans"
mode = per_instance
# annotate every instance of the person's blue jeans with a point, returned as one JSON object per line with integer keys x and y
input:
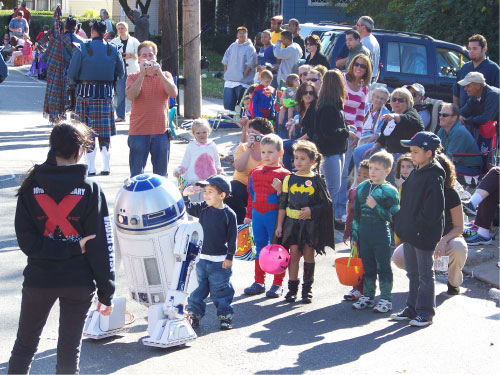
{"x": 232, "y": 96}
{"x": 213, "y": 280}
{"x": 288, "y": 153}
{"x": 331, "y": 168}
{"x": 120, "y": 96}
{"x": 359, "y": 152}
{"x": 341, "y": 198}
{"x": 158, "y": 145}
{"x": 421, "y": 298}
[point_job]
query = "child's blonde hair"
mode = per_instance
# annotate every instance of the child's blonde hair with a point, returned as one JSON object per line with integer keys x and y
{"x": 401, "y": 159}
{"x": 310, "y": 150}
{"x": 272, "y": 139}
{"x": 266, "y": 74}
{"x": 382, "y": 157}
{"x": 199, "y": 122}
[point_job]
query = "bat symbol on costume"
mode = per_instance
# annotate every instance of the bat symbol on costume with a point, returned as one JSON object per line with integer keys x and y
{"x": 296, "y": 188}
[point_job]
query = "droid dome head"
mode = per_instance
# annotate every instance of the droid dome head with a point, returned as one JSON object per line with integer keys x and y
{"x": 147, "y": 203}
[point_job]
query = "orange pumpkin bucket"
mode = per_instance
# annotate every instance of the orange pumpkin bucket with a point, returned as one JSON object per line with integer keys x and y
{"x": 349, "y": 270}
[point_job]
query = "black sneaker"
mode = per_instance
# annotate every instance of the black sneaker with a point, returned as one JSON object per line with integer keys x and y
{"x": 403, "y": 315}
{"x": 226, "y": 325}
{"x": 453, "y": 290}
{"x": 469, "y": 208}
{"x": 420, "y": 321}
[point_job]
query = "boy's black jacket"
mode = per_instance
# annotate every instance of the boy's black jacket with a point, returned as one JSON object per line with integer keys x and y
{"x": 420, "y": 220}
{"x": 59, "y": 208}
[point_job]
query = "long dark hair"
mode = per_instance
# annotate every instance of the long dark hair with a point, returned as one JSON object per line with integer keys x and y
{"x": 311, "y": 151}
{"x": 65, "y": 141}
{"x": 301, "y": 91}
{"x": 449, "y": 169}
{"x": 333, "y": 90}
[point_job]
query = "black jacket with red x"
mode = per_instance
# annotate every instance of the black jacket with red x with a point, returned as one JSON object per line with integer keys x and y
{"x": 60, "y": 207}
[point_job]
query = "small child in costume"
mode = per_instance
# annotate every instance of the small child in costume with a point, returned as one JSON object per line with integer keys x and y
{"x": 264, "y": 97}
{"x": 264, "y": 185}
{"x": 404, "y": 166}
{"x": 305, "y": 219}
{"x": 288, "y": 100}
{"x": 420, "y": 225}
{"x": 363, "y": 175}
{"x": 216, "y": 258}
{"x": 247, "y": 104}
{"x": 201, "y": 159}
{"x": 375, "y": 204}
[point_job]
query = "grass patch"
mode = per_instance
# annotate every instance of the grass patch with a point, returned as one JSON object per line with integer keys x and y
{"x": 212, "y": 87}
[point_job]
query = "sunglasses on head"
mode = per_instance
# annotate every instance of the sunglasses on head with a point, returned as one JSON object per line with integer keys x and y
{"x": 362, "y": 66}
{"x": 313, "y": 79}
{"x": 309, "y": 92}
{"x": 399, "y": 100}
{"x": 441, "y": 114}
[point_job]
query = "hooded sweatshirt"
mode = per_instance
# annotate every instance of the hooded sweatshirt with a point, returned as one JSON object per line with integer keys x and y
{"x": 59, "y": 208}
{"x": 420, "y": 220}
{"x": 237, "y": 57}
{"x": 289, "y": 58}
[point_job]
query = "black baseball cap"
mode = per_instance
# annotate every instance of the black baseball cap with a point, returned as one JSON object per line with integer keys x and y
{"x": 425, "y": 140}
{"x": 217, "y": 180}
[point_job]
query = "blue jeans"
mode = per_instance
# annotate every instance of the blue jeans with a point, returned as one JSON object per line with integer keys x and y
{"x": 120, "y": 96}
{"x": 213, "y": 280}
{"x": 358, "y": 153}
{"x": 421, "y": 298}
{"x": 232, "y": 96}
{"x": 158, "y": 145}
{"x": 288, "y": 153}
{"x": 331, "y": 168}
{"x": 341, "y": 198}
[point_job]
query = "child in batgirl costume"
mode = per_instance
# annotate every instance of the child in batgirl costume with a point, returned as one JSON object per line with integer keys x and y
{"x": 305, "y": 218}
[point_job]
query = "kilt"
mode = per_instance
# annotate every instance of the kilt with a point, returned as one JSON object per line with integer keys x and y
{"x": 98, "y": 114}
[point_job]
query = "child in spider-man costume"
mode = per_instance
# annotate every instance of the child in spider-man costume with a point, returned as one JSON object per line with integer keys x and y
{"x": 264, "y": 184}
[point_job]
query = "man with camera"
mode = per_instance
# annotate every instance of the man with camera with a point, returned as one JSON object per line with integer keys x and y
{"x": 149, "y": 91}
{"x": 127, "y": 45}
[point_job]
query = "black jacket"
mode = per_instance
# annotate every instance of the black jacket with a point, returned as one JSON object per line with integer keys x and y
{"x": 410, "y": 124}
{"x": 330, "y": 131}
{"x": 59, "y": 208}
{"x": 307, "y": 122}
{"x": 318, "y": 59}
{"x": 420, "y": 220}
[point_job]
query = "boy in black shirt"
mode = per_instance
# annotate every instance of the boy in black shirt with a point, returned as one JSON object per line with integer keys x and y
{"x": 216, "y": 258}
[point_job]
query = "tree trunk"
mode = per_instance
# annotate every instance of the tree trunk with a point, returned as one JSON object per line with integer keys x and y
{"x": 192, "y": 58}
{"x": 169, "y": 36}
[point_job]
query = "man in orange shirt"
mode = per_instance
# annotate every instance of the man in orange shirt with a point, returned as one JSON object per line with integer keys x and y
{"x": 149, "y": 91}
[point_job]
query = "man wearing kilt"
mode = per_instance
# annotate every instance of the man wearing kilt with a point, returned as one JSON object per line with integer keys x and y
{"x": 95, "y": 67}
{"x": 57, "y": 58}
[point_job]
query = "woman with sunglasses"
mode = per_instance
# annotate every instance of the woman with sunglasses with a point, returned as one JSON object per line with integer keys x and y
{"x": 306, "y": 98}
{"x": 330, "y": 130}
{"x": 356, "y": 80}
{"x": 313, "y": 46}
{"x": 403, "y": 123}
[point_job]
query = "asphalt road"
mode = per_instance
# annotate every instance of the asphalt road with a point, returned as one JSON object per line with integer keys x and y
{"x": 269, "y": 336}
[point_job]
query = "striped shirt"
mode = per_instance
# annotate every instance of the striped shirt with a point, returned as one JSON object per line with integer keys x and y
{"x": 354, "y": 107}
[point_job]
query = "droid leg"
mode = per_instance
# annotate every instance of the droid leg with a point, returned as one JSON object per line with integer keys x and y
{"x": 90, "y": 158}
{"x": 98, "y": 326}
{"x": 105, "y": 160}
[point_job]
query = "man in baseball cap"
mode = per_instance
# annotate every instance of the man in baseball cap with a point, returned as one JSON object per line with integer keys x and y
{"x": 276, "y": 29}
{"x": 424, "y": 109}
{"x": 482, "y": 104}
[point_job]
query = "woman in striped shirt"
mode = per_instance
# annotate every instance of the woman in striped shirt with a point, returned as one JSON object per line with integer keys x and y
{"x": 357, "y": 78}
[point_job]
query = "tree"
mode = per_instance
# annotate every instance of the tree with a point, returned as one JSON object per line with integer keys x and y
{"x": 144, "y": 7}
{"x": 449, "y": 20}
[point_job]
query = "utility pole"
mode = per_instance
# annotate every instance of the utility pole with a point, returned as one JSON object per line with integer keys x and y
{"x": 169, "y": 36}
{"x": 191, "y": 40}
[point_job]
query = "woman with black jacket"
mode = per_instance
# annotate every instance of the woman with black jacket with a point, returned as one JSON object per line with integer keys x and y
{"x": 315, "y": 57}
{"x": 403, "y": 123}
{"x": 330, "y": 130}
{"x": 63, "y": 226}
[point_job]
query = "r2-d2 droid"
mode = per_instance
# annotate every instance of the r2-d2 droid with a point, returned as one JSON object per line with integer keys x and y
{"x": 159, "y": 250}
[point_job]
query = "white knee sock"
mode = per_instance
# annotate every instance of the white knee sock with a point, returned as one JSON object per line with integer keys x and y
{"x": 483, "y": 232}
{"x": 90, "y": 158}
{"x": 105, "y": 159}
{"x": 476, "y": 199}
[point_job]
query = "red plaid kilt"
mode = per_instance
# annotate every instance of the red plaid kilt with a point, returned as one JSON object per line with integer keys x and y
{"x": 98, "y": 114}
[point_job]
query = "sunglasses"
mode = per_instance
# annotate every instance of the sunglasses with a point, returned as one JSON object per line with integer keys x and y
{"x": 313, "y": 79}
{"x": 441, "y": 114}
{"x": 303, "y": 74}
{"x": 309, "y": 92}
{"x": 399, "y": 100}
{"x": 362, "y": 66}
{"x": 414, "y": 94}
{"x": 310, "y": 44}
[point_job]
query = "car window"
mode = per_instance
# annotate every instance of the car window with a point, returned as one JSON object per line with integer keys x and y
{"x": 449, "y": 62}
{"x": 410, "y": 58}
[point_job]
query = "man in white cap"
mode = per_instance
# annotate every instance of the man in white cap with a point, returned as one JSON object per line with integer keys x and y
{"x": 424, "y": 109}
{"x": 482, "y": 104}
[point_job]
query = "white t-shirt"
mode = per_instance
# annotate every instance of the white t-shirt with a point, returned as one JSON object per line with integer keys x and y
{"x": 371, "y": 43}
